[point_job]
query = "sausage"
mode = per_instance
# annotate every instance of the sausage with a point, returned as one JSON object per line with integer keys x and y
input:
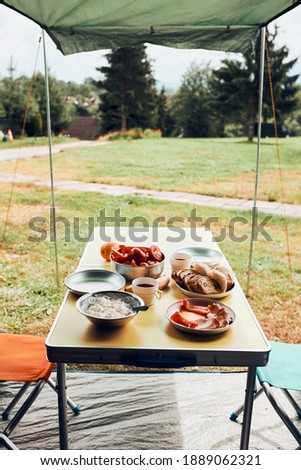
{"x": 195, "y": 309}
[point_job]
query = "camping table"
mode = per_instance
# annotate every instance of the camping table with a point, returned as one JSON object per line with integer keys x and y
{"x": 149, "y": 340}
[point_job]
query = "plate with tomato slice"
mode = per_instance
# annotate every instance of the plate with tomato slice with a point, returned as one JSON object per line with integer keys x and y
{"x": 200, "y": 316}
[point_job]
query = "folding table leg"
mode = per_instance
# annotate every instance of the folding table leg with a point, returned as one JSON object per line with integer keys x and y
{"x": 62, "y": 405}
{"x": 248, "y": 408}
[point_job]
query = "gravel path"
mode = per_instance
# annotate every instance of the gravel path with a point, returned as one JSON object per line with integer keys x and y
{"x": 30, "y": 152}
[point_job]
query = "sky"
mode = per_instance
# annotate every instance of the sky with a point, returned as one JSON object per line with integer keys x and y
{"x": 19, "y": 45}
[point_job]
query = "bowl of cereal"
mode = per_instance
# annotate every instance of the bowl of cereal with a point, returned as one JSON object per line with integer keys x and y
{"x": 110, "y": 308}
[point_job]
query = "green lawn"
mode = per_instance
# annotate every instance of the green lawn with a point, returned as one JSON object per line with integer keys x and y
{"x": 220, "y": 167}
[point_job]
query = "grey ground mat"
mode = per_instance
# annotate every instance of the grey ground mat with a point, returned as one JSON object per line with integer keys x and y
{"x": 149, "y": 411}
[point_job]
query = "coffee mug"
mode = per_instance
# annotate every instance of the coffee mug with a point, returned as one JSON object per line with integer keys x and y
{"x": 147, "y": 289}
{"x": 180, "y": 261}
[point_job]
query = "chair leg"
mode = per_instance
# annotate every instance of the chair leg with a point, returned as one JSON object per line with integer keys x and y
{"x": 292, "y": 402}
{"x": 4, "y": 435}
{"x": 75, "y": 408}
{"x": 7, "y": 442}
{"x": 5, "y": 414}
{"x": 239, "y": 410}
{"x": 282, "y": 414}
{"x": 16, "y": 399}
{"x": 24, "y": 408}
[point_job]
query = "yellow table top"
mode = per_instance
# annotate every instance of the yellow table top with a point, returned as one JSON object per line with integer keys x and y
{"x": 150, "y": 336}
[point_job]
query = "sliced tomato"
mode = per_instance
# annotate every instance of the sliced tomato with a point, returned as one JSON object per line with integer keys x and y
{"x": 155, "y": 253}
{"x": 138, "y": 255}
{"x": 133, "y": 263}
{"x": 125, "y": 249}
{"x": 119, "y": 257}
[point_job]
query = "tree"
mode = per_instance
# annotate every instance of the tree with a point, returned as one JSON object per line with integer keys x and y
{"x": 16, "y": 93}
{"x": 83, "y": 97}
{"x": 165, "y": 121}
{"x": 128, "y": 94}
{"x": 235, "y": 87}
{"x": 293, "y": 122}
{"x": 13, "y": 101}
{"x": 191, "y": 104}
{"x": 61, "y": 112}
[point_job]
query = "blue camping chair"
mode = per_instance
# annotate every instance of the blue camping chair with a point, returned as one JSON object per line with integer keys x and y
{"x": 284, "y": 372}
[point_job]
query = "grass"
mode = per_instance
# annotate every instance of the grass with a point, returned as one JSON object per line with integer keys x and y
{"x": 34, "y": 142}
{"x": 30, "y": 297}
{"x": 218, "y": 167}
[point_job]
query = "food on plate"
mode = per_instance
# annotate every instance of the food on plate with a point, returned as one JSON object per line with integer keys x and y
{"x": 180, "y": 318}
{"x": 220, "y": 278}
{"x": 106, "y": 249}
{"x": 199, "y": 309}
{"x": 191, "y": 280}
{"x": 137, "y": 255}
{"x": 205, "y": 280}
{"x": 228, "y": 274}
{"x": 202, "y": 268}
{"x": 198, "y": 317}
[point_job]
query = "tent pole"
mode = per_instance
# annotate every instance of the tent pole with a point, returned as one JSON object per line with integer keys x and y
{"x": 52, "y": 209}
{"x": 260, "y": 100}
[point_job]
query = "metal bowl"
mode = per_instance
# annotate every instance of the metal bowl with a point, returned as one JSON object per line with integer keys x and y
{"x": 132, "y": 272}
{"x": 93, "y": 280}
{"x": 85, "y": 302}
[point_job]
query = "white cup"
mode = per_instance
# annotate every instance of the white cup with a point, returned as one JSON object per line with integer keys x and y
{"x": 180, "y": 261}
{"x": 147, "y": 289}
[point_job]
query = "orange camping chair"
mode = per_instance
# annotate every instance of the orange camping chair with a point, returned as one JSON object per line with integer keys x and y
{"x": 23, "y": 359}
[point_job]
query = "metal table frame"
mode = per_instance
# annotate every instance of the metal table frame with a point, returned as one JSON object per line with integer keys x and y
{"x": 83, "y": 344}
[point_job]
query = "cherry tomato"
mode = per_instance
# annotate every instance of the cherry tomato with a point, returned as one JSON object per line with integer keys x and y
{"x": 155, "y": 253}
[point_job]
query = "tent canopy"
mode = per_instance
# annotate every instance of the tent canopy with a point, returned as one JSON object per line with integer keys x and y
{"x": 227, "y": 25}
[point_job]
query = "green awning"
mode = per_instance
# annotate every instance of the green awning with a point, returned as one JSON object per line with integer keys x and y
{"x": 227, "y": 25}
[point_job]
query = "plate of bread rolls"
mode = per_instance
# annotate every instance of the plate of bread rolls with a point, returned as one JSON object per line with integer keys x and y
{"x": 203, "y": 281}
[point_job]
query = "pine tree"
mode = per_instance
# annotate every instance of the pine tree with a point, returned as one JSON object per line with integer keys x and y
{"x": 128, "y": 94}
{"x": 164, "y": 119}
{"x": 235, "y": 87}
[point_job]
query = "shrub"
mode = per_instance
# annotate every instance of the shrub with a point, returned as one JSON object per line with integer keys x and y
{"x": 133, "y": 134}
